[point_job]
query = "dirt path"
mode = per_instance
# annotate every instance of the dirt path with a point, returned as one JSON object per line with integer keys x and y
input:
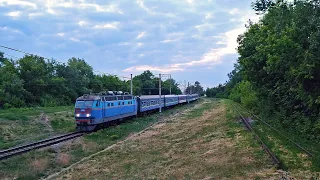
{"x": 196, "y": 144}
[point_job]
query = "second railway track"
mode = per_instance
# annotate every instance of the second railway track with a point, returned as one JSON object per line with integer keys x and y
{"x": 7, "y": 153}
{"x": 275, "y": 160}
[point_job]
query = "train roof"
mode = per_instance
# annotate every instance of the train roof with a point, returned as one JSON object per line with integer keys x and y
{"x": 88, "y": 98}
{"x": 171, "y": 95}
{"x": 150, "y": 96}
{"x": 156, "y": 96}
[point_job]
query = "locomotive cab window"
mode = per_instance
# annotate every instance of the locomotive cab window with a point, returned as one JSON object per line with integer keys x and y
{"x": 84, "y": 104}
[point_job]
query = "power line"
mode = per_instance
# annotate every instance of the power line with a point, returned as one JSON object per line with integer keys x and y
{"x": 13, "y": 49}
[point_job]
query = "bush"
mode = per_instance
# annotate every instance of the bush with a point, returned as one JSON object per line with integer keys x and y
{"x": 244, "y": 93}
{"x": 7, "y": 106}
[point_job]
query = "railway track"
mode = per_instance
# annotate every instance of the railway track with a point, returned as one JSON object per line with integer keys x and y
{"x": 274, "y": 159}
{"x": 4, "y": 154}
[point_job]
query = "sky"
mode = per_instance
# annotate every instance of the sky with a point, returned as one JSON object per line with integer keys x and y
{"x": 193, "y": 40}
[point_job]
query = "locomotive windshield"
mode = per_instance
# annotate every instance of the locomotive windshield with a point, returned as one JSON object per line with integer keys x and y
{"x": 84, "y": 104}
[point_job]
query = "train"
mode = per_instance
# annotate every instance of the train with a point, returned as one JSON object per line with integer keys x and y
{"x": 94, "y": 110}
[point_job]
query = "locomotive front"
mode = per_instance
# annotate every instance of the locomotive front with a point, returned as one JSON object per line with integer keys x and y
{"x": 86, "y": 112}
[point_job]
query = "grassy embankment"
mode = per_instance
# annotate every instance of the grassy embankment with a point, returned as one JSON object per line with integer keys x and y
{"x": 293, "y": 160}
{"x": 204, "y": 143}
{"x": 22, "y": 125}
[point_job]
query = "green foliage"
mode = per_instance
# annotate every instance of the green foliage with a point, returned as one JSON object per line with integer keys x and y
{"x": 279, "y": 56}
{"x": 245, "y": 94}
{"x": 148, "y": 84}
{"x": 33, "y": 81}
{"x": 223, "y": 91}
{"x": 61, "y": 124}
{"x": 196, "y": 88}
{"x": 279, "y": 66}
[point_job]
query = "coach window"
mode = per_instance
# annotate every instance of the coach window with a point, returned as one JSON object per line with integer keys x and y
{"x": 112, "y": 104}
{"x": 118, "y": 103}
{"x": 108, "y": 104}
{"x": 123, "y": 103}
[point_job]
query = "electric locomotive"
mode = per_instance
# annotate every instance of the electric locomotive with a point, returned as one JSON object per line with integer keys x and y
{"x": 92, "y": 110}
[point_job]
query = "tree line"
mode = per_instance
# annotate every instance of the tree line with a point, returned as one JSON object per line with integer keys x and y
{"x": 278, "y": 71}
{"x": 35, "y": 81}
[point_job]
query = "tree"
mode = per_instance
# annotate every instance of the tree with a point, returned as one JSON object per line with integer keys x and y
{"x": 12, "y": 92}
{"x": 195, "y": 88}
{"x": 279, "y": 57}
{"x": 34, "y": 81}
{"x": 261, "y": 6}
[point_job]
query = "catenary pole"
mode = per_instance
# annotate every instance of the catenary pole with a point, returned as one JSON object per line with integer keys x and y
{"x": 131, "y": 85}
{"x": 160, "y": 102}
{"x": 170, "y": 83}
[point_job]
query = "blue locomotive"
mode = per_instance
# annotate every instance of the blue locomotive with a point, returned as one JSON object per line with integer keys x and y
{"x": 92, "y": 110}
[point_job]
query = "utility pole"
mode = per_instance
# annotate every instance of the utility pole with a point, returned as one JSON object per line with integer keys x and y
{"x": 188, "y": 93}
{"x": 160, "y": 93}
{"x": 170, "y": 83}
{"x": 185, "y": 86}
{"x": 131, "y": 85}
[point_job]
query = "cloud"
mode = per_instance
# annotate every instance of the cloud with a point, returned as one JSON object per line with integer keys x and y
{"x": 189, "y": 1}
{"x": 74, "y": 39}
{"x": 32, "y": 15}
{"x": 209, "y": 16}
{"x": 17, "y": 3}
{"x": 141, "y": 4}
{"x": 214, "y": 55}
{"x": 113, "y": 25}
{"x": 141, "y": 35}
{"x": 153, "y": 12}
{"x": 234, "y": 11}
{"x": 112, "y": 8}
{"x": 14, "y": 14}
{"x": 168, "y": 40}
{"x": 60, "y": 34}
{"x": 165, "y": 69}
{"x": 11, "y": 30}
{"x": 182, "y": 37}
{"x": 210, "y": 58}
{"x": 82, "y": 23}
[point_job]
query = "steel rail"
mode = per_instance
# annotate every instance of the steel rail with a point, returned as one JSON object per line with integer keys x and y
{"x": 271, "y": 127}
{"x": 275, "y": 160}
{"x": 4, "y": 154}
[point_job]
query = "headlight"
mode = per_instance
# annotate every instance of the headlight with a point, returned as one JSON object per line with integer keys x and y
{"x": 77, "y": 115}
{"x": 88, "y": 115}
